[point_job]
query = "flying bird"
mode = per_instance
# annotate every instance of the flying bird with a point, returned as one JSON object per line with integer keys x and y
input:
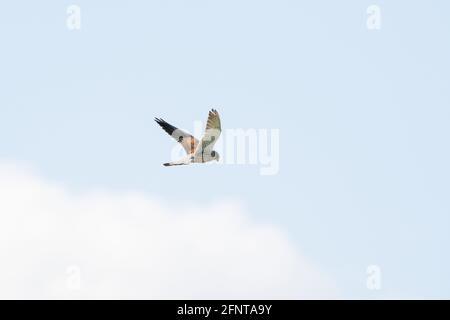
{"x": 197, "y": 151}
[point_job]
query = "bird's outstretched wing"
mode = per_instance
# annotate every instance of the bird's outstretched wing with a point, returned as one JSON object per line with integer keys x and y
{"x": 212, "y": 133}
{"x": 188, "y": 141}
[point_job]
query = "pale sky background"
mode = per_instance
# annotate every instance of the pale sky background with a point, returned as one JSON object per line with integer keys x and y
{"x": 363, "y": 117}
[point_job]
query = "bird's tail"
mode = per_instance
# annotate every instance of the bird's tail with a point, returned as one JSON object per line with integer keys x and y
{"x": 181, "y": 162}
{"x": 171, "y": 164}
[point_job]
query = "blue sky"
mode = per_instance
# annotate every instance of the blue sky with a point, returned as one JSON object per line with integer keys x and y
{"x": 363, "y": 117}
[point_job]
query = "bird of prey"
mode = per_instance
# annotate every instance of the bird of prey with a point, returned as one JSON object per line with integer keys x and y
{"x": 197, "y": 151}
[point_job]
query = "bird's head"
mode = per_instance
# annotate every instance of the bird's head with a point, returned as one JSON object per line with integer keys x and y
{"x": 215, "y": 155}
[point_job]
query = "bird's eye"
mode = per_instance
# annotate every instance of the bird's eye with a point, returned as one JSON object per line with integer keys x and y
{"x": 213, "y": 154}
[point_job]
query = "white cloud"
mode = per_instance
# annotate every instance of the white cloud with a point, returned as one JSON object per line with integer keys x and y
{"x": 133, "y": 246}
